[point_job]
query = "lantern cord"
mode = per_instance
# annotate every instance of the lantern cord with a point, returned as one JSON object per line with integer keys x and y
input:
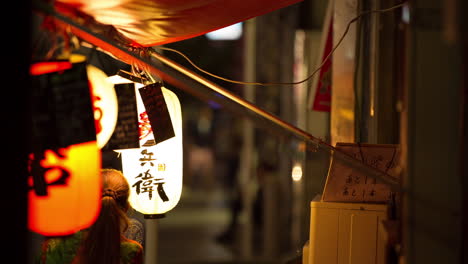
{"x": 287, "y": 83}
{"x": 130, "y": 76}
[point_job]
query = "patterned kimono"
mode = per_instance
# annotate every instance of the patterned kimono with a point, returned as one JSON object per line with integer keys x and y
{"x": 63, "y": 250}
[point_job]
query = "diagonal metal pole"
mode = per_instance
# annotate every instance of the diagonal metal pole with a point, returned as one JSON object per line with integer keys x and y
{"x": 196, "y": 85}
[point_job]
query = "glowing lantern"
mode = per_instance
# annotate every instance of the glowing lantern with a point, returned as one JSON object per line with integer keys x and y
{"x": 74, "y": 191}
{"x": 104, "y": 104}
{"x": 66, "y": 159}
{"x": 155, "y": 172}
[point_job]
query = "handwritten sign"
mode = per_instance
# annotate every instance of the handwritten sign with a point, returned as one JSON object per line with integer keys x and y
{"x": 62, "y": 109}
{"x": 126, "y": 132}
{"x": 348, "y": 183}
{"x": 157, "y": 112}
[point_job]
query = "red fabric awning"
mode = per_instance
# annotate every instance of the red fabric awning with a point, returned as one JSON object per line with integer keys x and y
{"x": 156, "y": 22}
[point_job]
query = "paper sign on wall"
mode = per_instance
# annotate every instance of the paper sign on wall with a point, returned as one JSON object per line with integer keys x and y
{"x": 346, "y": 183}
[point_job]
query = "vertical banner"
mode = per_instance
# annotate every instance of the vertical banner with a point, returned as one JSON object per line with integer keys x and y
{"x": 65, "y": 184}
{"x": 154, "y": 171}
{"x": 320, "y": 95}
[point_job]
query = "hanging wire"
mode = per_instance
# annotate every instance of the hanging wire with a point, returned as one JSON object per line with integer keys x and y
{"x": 287, "y": 83}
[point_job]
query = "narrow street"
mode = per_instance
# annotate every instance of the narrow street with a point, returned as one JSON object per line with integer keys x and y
{"x": 188, "y": 232}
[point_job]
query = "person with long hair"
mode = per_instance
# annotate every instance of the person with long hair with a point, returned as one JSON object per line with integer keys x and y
{"x": 104, "y": 241}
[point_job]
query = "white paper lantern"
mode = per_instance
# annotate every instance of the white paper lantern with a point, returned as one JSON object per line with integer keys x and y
{"x": 104, "y": 104}
{"x": 155, "y": 172}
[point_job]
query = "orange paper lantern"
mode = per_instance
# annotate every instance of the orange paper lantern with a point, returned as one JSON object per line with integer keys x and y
{"x": 65, "y": 182}
{"x": 74, "y": 191}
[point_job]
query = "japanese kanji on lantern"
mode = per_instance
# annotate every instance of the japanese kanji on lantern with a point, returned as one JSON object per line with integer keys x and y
{"x": 154, "y": 171}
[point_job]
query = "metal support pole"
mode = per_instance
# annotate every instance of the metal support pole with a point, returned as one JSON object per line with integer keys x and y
{"x": 151, "y": 238}
{"x": 248, "y": 147}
